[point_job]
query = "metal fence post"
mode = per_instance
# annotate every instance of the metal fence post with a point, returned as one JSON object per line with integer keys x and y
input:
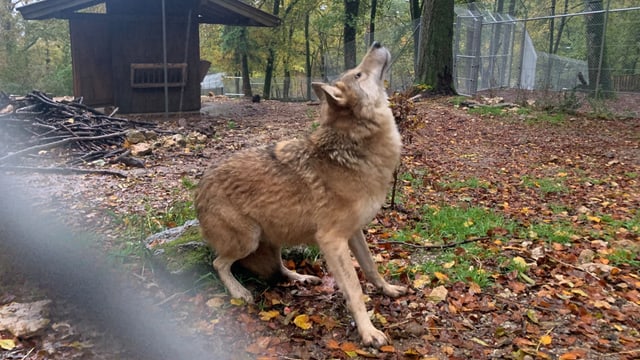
{"x": 602, "y": 42}
{"x": 477, "y": 49}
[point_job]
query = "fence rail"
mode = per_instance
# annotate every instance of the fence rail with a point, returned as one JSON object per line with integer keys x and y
{"x": 626, "y": 83}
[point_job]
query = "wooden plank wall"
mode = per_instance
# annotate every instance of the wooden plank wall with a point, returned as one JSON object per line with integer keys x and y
{"x": 91, "y": 59}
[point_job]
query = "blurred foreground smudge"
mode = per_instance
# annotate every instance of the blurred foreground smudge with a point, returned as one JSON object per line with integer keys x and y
{"x": 64, "y": 265}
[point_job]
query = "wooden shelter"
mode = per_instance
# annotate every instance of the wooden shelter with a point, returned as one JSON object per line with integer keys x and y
{"x": 142, "y": 55}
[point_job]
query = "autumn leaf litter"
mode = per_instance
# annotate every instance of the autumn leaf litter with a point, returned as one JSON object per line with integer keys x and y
{"x": 568, "y": 299}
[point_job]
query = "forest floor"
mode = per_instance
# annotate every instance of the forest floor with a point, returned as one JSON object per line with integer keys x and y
{"x": 517, "y": 231}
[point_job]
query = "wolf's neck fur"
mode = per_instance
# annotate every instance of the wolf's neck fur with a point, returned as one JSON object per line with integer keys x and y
{"x": 374, "y": 143}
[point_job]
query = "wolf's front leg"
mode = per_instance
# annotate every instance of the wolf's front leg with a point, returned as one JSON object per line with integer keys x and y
{"x": 336, "y": 251}
{"x": 358, "y": 245}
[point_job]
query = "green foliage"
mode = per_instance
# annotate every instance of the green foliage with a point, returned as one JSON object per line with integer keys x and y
{"x": 471, "y": 183}
{"x": 625, "y": 257}
{"x": 554, "y": 232}
{"x": 458, "y": 100}
{"x": 548, "y": 118}
{"x": 464, "y": 264}
{"x": 545, "y": 185}
{"x": 487, "y": 111}
{"x": 453, "y": 223}
{"x": 34, "y": 55}
{"x": 188, "y": 183}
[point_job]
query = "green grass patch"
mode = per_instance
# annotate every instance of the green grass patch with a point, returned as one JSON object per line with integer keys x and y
{"x": 613, "y": 227}
{"x": 471, "y": 183}
{"x": 466, "y": 262}
{"x": 624, "y": 257}
{"x": 523, "y": 111}
{"x": 458, "y": 100}
{"x": 553, "y": 232}
{"x": 549, "y": 118}
{"x": 487, "y": 111}
{"x": 454, "y": 223}
{"x": 557, "y": 209}
{"x": 546, "y": 185}
{"x": 138, "y": 226}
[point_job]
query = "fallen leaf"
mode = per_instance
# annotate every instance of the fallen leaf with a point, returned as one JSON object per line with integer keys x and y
{"x": 215, "y": 302}
{"x": 381, "y": 318}
{"x": 237, "y": 301}
{"x": 481, "y": 342}
{"x": 520, "y": 262}
{"x": 365, "y": 354}
{"x": 594, "y": 219}
{"x": 411, "y": 352}
{"x": 268, "y": 315}
{"x": 449, "y": 265}
{"x": 261, "y": 344}
{"x": 387, "y": 349}
{"x": 545, "y": 339}
{"x": 303, "y": 322}
{"x": 579, "y": 292}
{"x": 522, "y": 342}
{"x": 333, "y": 344}
{"x": 348, "y": 346}
{"x": 7, "y": 344}
{"x": 440, "y": 276}
{"x": 533, "y": 316}
{"x": 438, "y": 294}
{"x": 421, "y": 281}
{"x": 474, "y": 288}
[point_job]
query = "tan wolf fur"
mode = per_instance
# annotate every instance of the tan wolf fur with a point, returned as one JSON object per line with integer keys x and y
{"x": 321, "y": 189}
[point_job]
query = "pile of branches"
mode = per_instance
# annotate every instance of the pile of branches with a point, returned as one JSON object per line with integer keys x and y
{"x": 36, "y": 123}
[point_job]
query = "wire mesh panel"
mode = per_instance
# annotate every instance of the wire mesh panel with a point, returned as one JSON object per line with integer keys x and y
{"x": 483, "y": 49}
{"x": 594, "y": 49}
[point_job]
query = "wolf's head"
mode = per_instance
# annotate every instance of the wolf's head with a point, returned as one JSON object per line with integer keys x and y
{"x": 358, "y": 95}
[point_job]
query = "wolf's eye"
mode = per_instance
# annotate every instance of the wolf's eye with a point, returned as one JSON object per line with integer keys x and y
{"x": 358, "y": 75}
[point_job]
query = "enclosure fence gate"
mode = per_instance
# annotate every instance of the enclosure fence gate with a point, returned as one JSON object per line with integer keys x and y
{"x": 483, "y": 49}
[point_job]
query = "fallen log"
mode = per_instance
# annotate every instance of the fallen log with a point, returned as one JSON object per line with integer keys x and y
{"x": 62, "y": 170}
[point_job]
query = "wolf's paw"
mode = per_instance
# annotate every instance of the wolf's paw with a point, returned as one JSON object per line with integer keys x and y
{"x": 394, "y": 290}
{"x": 242, "y": 293}
{"x": 374, "y": 337}
{"x": 310, "y": 279}
{"x": 304, "y": 279}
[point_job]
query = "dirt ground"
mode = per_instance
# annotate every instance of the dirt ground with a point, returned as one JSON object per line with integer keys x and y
{"x": 448, "y": 143}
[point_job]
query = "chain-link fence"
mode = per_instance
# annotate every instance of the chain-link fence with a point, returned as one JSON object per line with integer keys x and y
{"x": 591, "y": 47}
{"x": 594, "y": 49}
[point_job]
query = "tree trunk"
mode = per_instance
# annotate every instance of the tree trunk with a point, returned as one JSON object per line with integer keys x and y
{"x": 244, "y": 59}
{"x": 414, "y": 8}
{"x": 435, "y": 60}
{"x": 350, "y": 17}
{"x": 307, "y": 55}
{"x": 271, "y": 58}
{"x": 599, "y": 74}
{"x": 372, "y": 22}
{"x": 563, "y": 22}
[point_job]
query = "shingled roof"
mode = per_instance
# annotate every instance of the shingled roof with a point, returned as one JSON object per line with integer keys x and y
{"x": 225, "y": 12}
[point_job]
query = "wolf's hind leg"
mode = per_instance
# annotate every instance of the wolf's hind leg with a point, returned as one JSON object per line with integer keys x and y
{"x": 359, "y": 248}
{"x": 236, "y": 290}
{"x": 294, "y": 276}
{"x": 234, "y": 243}
{"x": 266, "y": 262}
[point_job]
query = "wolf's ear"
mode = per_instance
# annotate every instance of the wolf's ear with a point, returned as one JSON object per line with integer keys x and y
{"x": 328, "y": 93}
